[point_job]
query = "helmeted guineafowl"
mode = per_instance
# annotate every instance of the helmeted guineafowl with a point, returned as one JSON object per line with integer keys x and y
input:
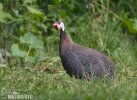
{"x": 82, "y": 62}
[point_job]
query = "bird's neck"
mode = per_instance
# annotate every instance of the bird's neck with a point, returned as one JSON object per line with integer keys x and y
{"x": 64, "y": 37}
{"x": 65, "y": 40}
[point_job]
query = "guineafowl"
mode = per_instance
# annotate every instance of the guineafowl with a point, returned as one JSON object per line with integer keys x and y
{"x": 82, "y": 62}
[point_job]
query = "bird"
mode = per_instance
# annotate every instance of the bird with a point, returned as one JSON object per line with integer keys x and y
{"x": 82, "y": 62}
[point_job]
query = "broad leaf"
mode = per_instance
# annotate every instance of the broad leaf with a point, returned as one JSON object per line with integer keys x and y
{"x": 15, "y": 50}
{"x": 32, "y": 40}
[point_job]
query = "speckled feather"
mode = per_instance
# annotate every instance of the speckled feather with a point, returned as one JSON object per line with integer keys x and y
{"x": 83, "y": 62}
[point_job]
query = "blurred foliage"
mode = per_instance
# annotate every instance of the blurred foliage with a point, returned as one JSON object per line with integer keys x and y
{"x": 100, "y": 24}
{"x": 28, "y": 39}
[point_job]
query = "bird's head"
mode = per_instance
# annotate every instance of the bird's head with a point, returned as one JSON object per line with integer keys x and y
{"x": 59, "y": 25}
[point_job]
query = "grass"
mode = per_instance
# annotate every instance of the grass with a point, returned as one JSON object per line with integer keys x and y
{"x": 102, "y": 32}
{"x": 59, "y": 86}
{"x": 52, "y": 83}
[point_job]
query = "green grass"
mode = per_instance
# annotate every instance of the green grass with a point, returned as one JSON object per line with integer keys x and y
{"x": 44, "y": 85}
{"x": 99, "y": 27}
{"x": 55, "y": 84}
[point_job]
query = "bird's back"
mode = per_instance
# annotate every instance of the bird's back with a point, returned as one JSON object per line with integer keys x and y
{"x": 84, "y": 62}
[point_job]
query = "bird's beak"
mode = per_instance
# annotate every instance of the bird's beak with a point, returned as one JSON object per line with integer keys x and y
{"x": 56, "y": 26}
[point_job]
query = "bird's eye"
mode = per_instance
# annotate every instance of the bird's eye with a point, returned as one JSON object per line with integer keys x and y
{"x": 59, "y": 23}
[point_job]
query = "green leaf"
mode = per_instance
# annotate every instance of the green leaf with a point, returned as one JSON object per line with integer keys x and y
{"x": 15, "y": 50}
{"x": 129, "y": 25}
{"x": 51, "y": 7}
{"x": 135, "y": 24}
{"x": 34, "y": 11}
{"x": 32, "y": 40}
{"x": 3, "y": 15}
{"x": 28, "y": 1}
{"x": 30, "y": 59}
{"x": 36, "y": 14}
{"x": 62, "y": 13}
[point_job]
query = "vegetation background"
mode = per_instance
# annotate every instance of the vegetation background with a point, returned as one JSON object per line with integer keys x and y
{"x": 29, "y": 55}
